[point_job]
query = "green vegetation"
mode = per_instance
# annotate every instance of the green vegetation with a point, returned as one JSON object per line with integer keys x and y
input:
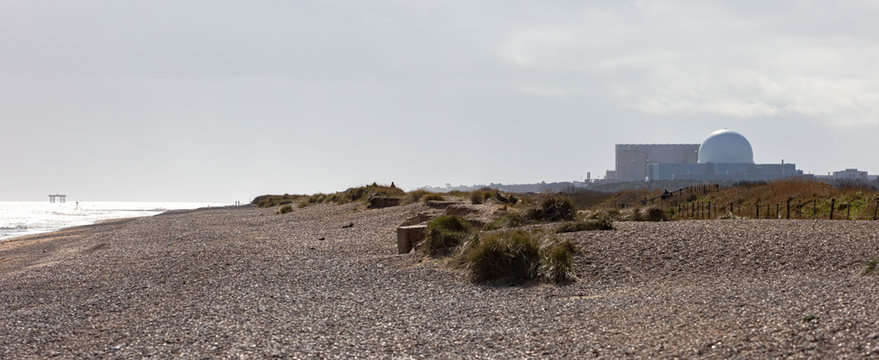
{"x": 518, "y": 256}
{"x": 357, "y": 194}
{"x": 509, "y": 219}
{"x": 810, "y": 318}
{"x": 555, "y": 207}
{"x": 433, "y": 197}
{"x": 482, "y": 195}
{"x": 420, "y": 195}
{"x": 285, "y": 209}
{"x": 267, "y": 201}
{"x": 870, "y": 267}
{"x": 655, "y": 214}
{"x": 443, "y": 234}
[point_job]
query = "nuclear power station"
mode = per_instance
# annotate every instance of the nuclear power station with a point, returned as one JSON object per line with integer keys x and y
{"x": 724, "y": 156}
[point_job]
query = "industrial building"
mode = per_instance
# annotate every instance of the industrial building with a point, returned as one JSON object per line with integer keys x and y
{"x": 724, "y": 156}
{"x": 632, "y": 160}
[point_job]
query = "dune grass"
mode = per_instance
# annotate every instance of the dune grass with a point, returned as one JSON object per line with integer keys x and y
{"x": 444, "y": 234}
{"x": 517, "y": 256}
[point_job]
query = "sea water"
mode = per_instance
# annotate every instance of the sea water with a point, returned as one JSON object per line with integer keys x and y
{"x": 19, "y": 218}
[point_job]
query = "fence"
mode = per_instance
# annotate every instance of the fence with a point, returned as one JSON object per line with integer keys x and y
{"x": 683, "y": 204}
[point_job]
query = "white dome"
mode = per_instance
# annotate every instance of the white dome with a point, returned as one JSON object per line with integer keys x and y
{"x": 726, "y": 147}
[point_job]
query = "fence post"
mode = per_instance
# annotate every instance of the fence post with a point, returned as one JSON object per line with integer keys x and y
{"x": 767, "y": 211}
{"x": 814, "y": 207}
{"x": 709, "y": 209}
{"x": 832, "y": 207}
{"x": 757, "y": 212}
{"x": 876, "y": 209}
{"x": 848, "y": 210}
{"x": 788, "y": 209}
{"x": 776, "y": 210}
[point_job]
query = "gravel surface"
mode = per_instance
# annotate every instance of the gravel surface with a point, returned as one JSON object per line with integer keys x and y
{"x": 245, "y": 282}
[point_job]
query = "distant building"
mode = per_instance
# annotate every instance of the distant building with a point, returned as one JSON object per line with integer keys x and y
{"x": 724, "y": 156}
{"x": 851, "y": 174}
{"x": 632, "y": 160}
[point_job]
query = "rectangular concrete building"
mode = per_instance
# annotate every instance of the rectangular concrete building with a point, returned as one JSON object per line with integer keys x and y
{"x": 632, "y": 160}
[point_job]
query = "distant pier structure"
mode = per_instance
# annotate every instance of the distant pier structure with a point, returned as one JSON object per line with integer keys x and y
{"x": 57, "y": 198}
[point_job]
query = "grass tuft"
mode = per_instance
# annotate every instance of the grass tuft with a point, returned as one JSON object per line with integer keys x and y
{"x": 518, "y": 256}
{"x": 556, "y": 207}
{"x": 555, "y": 261}
{"x": 510, "y": 219}
{"x": 284, "y": 209}
{"x": 604, "y": 223}
{"x": 444, "y": 234}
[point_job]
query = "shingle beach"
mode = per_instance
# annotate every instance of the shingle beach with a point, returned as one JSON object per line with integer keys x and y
{"x": 246, "y": 282}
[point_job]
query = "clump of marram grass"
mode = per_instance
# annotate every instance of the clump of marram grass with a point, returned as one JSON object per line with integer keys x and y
{"x": 284, "y": 209}
{"x": 555, "y": 261}
{"x": 518, "y": 256}
{"x": 603, "y": 223}
{"x": 444, "y": 234}
{"x": 509, "y": 219}
{"x": 556, "y": 207}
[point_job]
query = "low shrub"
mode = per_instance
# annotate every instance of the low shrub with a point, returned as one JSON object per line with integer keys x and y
{"x": 604, "y": 223}
{"x": 556, "y": 207}
{"x": 443, "y": 234}
{"x": 285, "y": 209}
{"x": 518, "y": 256}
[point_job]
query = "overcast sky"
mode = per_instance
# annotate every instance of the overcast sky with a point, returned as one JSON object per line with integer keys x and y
{"x": 223, "y": 101}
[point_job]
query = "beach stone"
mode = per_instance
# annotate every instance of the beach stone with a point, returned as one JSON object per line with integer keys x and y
{"x": 408, "y": 237}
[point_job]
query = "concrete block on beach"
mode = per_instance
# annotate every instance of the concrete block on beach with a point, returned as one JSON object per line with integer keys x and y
{"x": 420, "y": 218}
{"x": 409, "y": 236}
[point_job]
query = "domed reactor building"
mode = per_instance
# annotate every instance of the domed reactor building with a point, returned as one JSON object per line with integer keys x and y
{"x": 724, "y": 156}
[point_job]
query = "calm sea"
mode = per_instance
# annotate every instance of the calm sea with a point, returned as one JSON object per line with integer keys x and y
{"x": 18, "y": 218}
